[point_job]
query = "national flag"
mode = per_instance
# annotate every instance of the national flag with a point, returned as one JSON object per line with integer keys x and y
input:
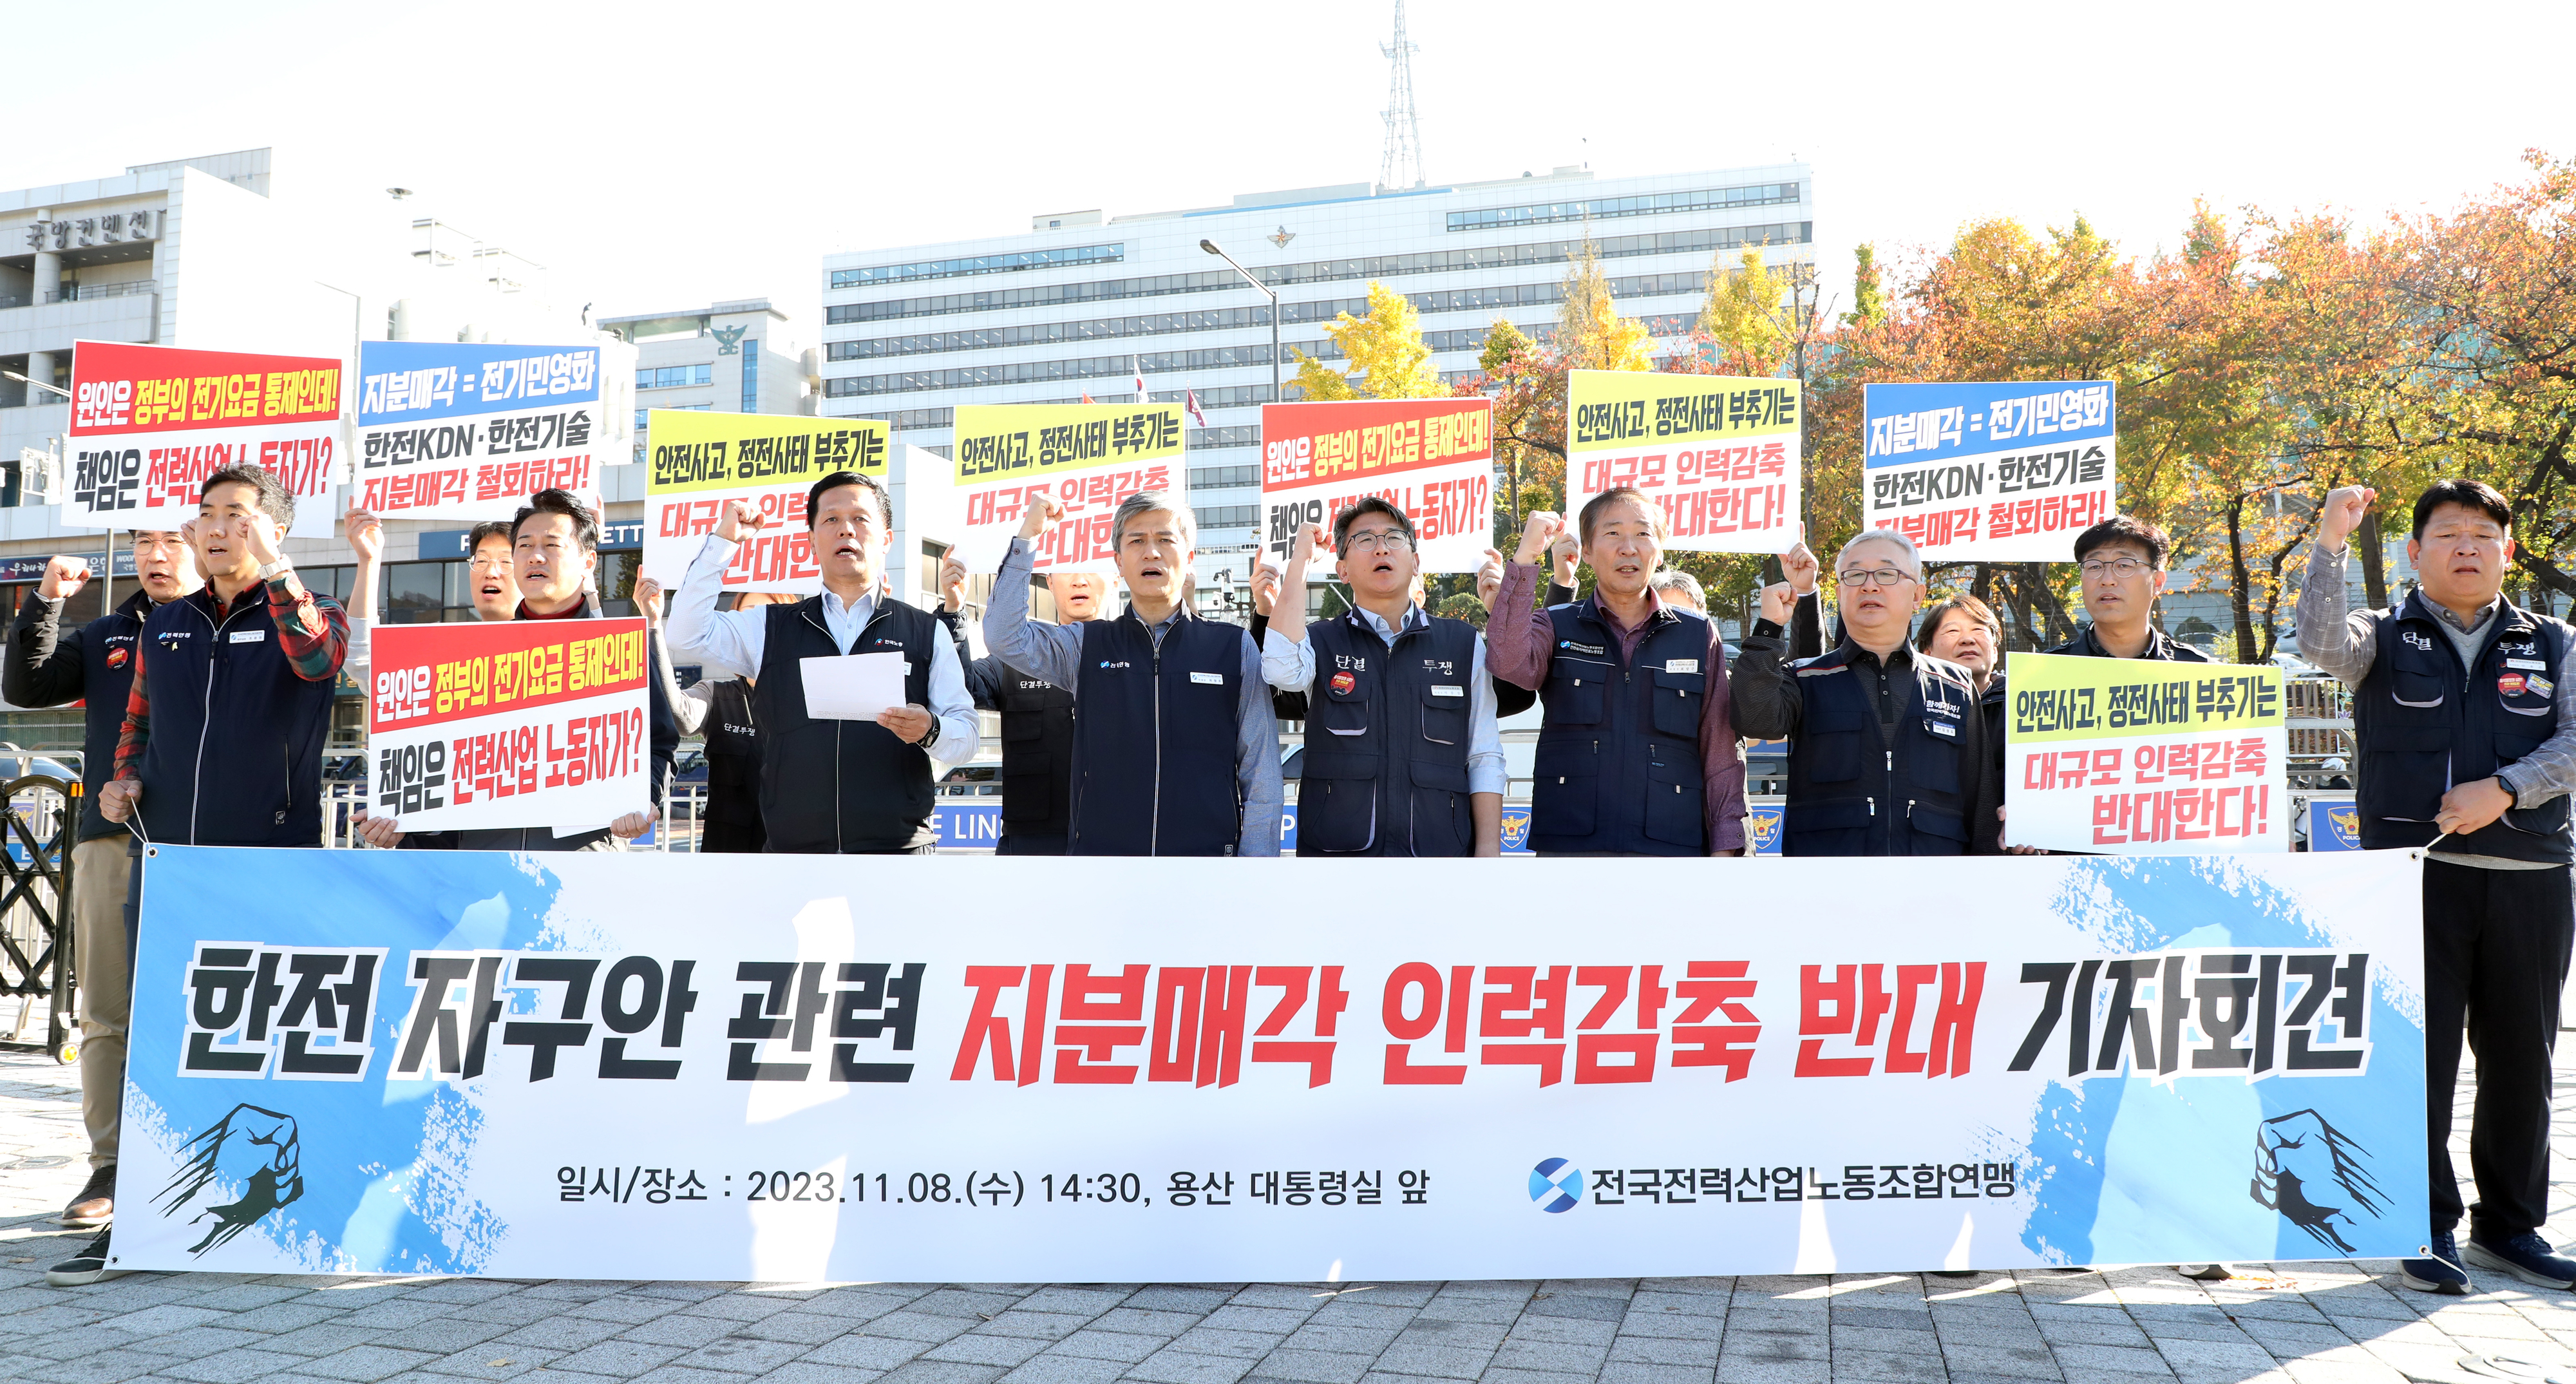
{"x": 1086, "y": 396}
{"x": 1193, "y": 405}
{"x": 1141, "y": 396}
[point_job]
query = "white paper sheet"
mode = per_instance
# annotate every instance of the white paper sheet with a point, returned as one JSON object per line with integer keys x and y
{"x": 852, "y": 687}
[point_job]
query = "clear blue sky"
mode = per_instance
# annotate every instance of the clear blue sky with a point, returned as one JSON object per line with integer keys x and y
{"x": 658, "y": 155}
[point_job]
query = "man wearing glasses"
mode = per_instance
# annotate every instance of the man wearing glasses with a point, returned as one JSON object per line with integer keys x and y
{"x": 1887, "y": 752}
{"x": 2123, "y": 561}
{"x": 2464, "y": 706}
{"x": 1402, "y": 753}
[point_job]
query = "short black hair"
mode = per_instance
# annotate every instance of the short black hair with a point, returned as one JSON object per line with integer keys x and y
{"x": 834, "y": 481}
{"x": 490, "y": 528}
{"x": 1367, "y": 504}
{"x": 1938, "y": 611}
{"x": 2126, "y": 528}
{"x": 275, "y": 500}
{"x": 2467, "y": 494}
{"x": 585, "y": 522}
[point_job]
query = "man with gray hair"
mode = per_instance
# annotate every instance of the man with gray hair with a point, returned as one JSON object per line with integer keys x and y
{"x": 1175, "y": 748}
{"x": 1888, "y": 751}
{"x": 1680, "y": 588}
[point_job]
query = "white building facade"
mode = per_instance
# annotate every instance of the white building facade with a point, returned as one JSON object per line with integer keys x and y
{"x": 737, "y": 357}
{"x": 1081, "y": 301}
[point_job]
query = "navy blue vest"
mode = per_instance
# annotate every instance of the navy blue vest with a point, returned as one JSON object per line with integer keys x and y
{"x": 1037, "y": 765}
{"x": 105, "y": 648}
{"x": 2424, "y": 726}
{"x": 1854, "y": 792}
{"x": 1154, "y": 739}
{"x": 733, "y": 754}
{"x": 1386, "y": 741}
{"x": 235, "y": 757}
{"x": 1618, "y": 766}
{"x": 832, "y": 787}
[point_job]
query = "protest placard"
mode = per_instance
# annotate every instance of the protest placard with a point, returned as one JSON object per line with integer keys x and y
{"x": 1718, "y": 454}
{"x": 150, "y": 423}
{"x": 1431, "y": 458}
{"x": 1990, "y": 472}
{"x": 1089, "y": 456}
{"x": 536, "y": 723}
{"x": 2126, "y": 756}
{"x": 462, "y": 430}
{"x": 702, "y": 460}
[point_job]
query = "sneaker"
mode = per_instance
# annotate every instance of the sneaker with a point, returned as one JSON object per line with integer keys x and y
{"x": 2526, "y": 1256}
{"x": 2441, "y": 1273}
{"x": 95, "y": 1204}
{"x": 88, "y": 1266}
{"x": 2205, "y": 1273}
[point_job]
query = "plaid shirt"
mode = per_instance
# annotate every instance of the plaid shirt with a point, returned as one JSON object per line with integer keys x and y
{"x": 313, "y": 634}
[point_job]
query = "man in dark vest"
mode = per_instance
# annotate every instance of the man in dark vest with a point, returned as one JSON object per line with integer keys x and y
{"x": 729, "y": 821}
{"x": 1175, "y": 749}
{"x": 1402, "y": 753}
{"x": 2123, "y": 562}
{"x": 1636, "y": 751}
{"x": 1037, "y": 716}
{"x": 44, "y": 666}
{"x": 2464, "y": 707}
{"x": 832, "y": 785}
{"x": 555, "y": 557}
{"x": 1887, "y": 747}
{"x": 221, "y": 743}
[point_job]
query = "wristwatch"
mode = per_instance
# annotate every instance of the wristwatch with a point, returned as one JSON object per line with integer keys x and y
{"x": 271, "y": 571}
{"x": 931, "y": 739}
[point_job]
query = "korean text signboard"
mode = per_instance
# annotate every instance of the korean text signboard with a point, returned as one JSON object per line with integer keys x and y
{"x": 1089, "y": 456}
{"x": 1719, "y": 455}
{"x": 150, "y": 423}
{"x": 1990, "y": 472}
{"x": 538, "y": 1066}
{"x": 516, "y": 724}
{"x": 1431, "y": 458}
{"x": 2125, "y": 756}
{"x": 454, "y": 430}
{"x": 701, "y": 460}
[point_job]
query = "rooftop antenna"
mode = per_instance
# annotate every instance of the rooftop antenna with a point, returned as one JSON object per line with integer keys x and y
{"x": 1403, "y": 129}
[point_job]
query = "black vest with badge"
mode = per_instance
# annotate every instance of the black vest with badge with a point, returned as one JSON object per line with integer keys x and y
{"x": 235, "y": 754}
{"x": 1387, "y": 736}
{"x": 1618, "y": 768}
{"x": 733, "y": 754}
{"x": 1154, "y": 740}
{"x": 1037, "y": 763}
{"x": 1855, "y": 790}
{"x": 833, "y": 786}
{"x": 2425, "y": 725}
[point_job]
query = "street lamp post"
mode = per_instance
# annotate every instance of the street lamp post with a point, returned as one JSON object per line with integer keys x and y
{"x": 1211, "y": 248}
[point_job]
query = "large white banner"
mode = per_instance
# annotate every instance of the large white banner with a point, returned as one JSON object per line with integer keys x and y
{"x": 524, "y": 723}
{"x": 650, "y": 1066}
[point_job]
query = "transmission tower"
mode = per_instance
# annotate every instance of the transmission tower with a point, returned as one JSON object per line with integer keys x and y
{"x": 1402, "y": 166}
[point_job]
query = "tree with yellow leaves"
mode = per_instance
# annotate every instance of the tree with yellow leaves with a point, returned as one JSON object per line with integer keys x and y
{"x": 1388, "y": 358}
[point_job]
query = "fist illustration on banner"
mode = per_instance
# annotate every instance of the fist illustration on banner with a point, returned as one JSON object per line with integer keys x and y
{"x": 952, "y": 580}
{"x": 1537, "y": 533}
{"x": 740, "y": 521}
{"x": 64, "y": 577}
{"x": 2343, "y": 511}
{"x": 1041, "y": 510}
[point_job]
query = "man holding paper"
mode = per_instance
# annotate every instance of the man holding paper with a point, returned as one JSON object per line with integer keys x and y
{"x": 1175, "y": 749}
{"x": 858, "y": 695}
{"x": 1402, "y": 753}
{"x": 2464, "y": 707}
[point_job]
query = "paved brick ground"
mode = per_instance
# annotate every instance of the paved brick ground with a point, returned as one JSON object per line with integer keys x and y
{"x": 2311, "y": 1323}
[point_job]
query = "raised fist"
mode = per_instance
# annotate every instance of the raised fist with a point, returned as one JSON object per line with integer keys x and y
{"x": 2342, "y": 513}
{"x": 1537, "y": 533}
{"x": 64, "y": 577}
{"x": 741, "y": 520}
{"x": 1041, "y": 510}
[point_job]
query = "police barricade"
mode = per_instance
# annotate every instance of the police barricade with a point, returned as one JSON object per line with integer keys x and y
{"x": 36, "y": 962}
{"x": 484, "y": 1063}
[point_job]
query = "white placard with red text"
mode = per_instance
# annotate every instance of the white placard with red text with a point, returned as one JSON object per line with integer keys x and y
{"x": 1432, "y": 458}
{"x": 1719, "y": 455}
{"x": 530, "y": 723}
{"x": 2126, "y": 756}
{"x": 150, "y": 423}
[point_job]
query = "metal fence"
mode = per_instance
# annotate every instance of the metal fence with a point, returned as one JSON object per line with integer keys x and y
{"x": 35, "y": 916}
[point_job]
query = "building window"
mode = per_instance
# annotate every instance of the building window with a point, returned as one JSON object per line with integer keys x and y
{"x": 1207, "y": 439}
{"x": 1608, "y": 208}
{"x": 751, "y": 377}
{"x": 1549, "y": 253}
{"x": 674, "y": 376}
{"x": 1229, "y": 516}
{"x": 667, "y": 408}
{"x": 979, "y": 264}
{"x": 1213, "y": 477}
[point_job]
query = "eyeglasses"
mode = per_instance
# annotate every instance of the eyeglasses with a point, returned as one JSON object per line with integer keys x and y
{"x": 1380, "y": 540}
{"x": 1877, "y": 576}
{"x": 2121, "y": 567}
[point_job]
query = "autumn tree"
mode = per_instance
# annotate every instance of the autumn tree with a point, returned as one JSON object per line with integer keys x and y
{"x": 1388, "y": 357}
